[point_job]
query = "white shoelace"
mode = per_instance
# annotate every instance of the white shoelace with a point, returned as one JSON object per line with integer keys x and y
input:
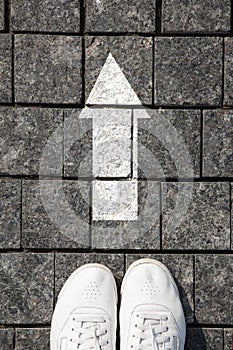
{"x": 88, "y": 332}
{"x": 150, "y": 333}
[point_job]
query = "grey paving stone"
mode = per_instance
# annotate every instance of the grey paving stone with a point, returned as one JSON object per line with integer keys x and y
{"x": 188, "y": 71}
{"x": 181, "y": 267}
{"x": 47, "y": 16}
{"x": 196, "y": 216}
{"x": 166, "y": 141}
{"x": 114, "y": 200}
{"x": 77, "y": 144}
{"x": 66, "y": 263}
{"x": 32, "y": 338}
{"x": 48, "y": 69}
{"x": 228, "y": 72}
{"x": 5, "y": 68}
{"x": 143, "y": 233}
{"x": 218, "y": 143}
{"x": 132, "y": 54}
{"x": 30, "y": 130}
{"x": 228, "y": 339}
{"x": 55, "y": 214}
{"x": 2, "y": 13}
{"x": 112, "y": 132}
{"x": 204, "y": 338}
{"x": 196, "y": 16}
{"x": 6, "y": 339}
{"x": 231, "y": 215}
{"x": 115, "y": 16}
{"x": 26, "y": 288}
{"x": 213, "y": 289}
{"x": 10, "y": 213}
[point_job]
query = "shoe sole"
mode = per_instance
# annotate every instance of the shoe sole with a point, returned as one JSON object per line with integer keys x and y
{"x": 84, "y": 267}
{"x": 148, "y": 261}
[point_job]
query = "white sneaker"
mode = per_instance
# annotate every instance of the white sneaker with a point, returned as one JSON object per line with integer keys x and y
{"x": 85, "y": 316}
{"x": 151, "y": 314}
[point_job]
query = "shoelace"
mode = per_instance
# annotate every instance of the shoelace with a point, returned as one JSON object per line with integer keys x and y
{"x": 150, "y": 334}
{"x": 87, "y": 334}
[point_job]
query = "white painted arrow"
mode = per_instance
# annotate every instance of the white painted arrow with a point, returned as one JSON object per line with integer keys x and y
{"x": 115, "y": 145}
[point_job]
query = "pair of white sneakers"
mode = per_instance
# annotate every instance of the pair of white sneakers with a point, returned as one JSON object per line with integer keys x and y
{"x": 151, "y": 314}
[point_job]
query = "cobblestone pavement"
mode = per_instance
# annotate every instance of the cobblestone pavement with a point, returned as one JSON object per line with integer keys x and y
{"x": 177, "y": 56}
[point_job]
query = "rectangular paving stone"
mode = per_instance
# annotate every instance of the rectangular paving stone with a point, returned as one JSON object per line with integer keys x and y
{"x": 48, "y": 69}
{"x": 115, "y": 16}
{"x": 114, "y": 200}
{"x": 143, "y": 233}
{"x": 32, "y": 338}
{"x": 213, "y": 289}
{"x": 55, "y": 214}
{"x": 77, "y": 144}
{"x": 218, "y": 143}
{"x": 169, "y": 143}
{"x": 6, "y": 339}
{"x": 5, "y": 68}
{"x": 228, "y": 338}
{"x": 112, "y": 142}
{"x": 30, "y": 129}
{"x": 26, "y": 288}
{"x": 204, "y": 338}
{"x": 196, "y": 16}
{"x": 132, "y": 54}
{"x": 2, "y": 15}
{"x": 46, "y": 16}
{"x": 228, "y": 72}
{"x": 10, "y": 213}
{"x": 196, "y": 215}
{"x": 188, "y": 71}
{"x": 181, "y": 267}
{"x": 66, "y": 263}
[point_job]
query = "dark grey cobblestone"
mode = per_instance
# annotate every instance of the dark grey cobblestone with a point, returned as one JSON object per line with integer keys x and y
{"x": 181, "y": 267}
{"x": 228, "y": 339}
{"x": 66, "y": 204}
{"x": 143, "y": 233}
{"x": 188, "y": 71}
{"x": 133, "y": 55}
{"x": 196, "y": 16}
{"x": 77, "y": 144}
{"x": 10, "y": 213}
{"x": 26, "y": 288}
{"x": 213, "y": 289}
{"x": 152, "y": 149}
{"x": 68, "y": 262}
{"x": 206, "y": 223}
{"x": 121, "y": 16}
{"x": 6, "y": 339}
{"x": 30, "y": 129}
{"x": 48, "y": 69}
{"x": 32, "y": 338}
{"x": 228, "y": 69}
{"x": 231, "y": 200}
{"x": 218, "y": 143}
{"x": 5, "y": 68}
{"x": 46, "y": 16}
{"x": 2, "y": 19}
{"x": 204, "y": 338}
